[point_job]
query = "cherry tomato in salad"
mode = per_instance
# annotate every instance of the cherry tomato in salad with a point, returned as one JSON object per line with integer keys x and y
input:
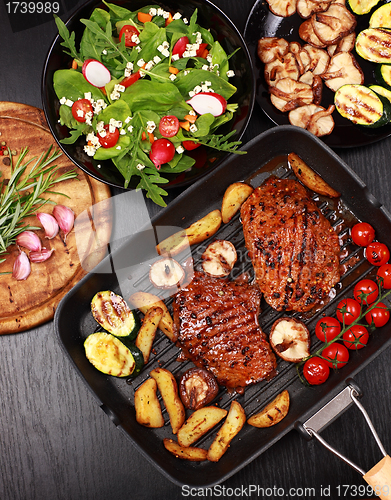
{"x": 348, "y": 310}
{"x": 190, "y": 145}
{"x": 366, "y": 291}
{"x": 362, "y": 234}
{"x": 384, "y": 276}
{"x": 110, "y": 139}
{"x": 129, "y": 80}
{"x": 162, "y": 151}
{"x": 80, "y": 108}
{"x": 169, "y": 126}
{"x": 378, "y": 316}
{"x": 327, "y": 328}
{"x": 128, "y": 31}
{"x": 316, "y": 370}
{"x": 337, "y": 354}
{"x": 180, "y": 46}
{"x": 356, "y": 337}
{"x": 377, "y": 253}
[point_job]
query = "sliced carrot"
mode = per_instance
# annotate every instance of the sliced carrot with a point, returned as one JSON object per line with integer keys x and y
{"x": 169, "y": 19}
{"x": 185, "y": 125}
{"x": 151, "y": 137}
{"x": 144, "y": 17}
{"x": 191, "y": 118}
{"x": 173, "y": 70}
{"x": 74, "y": 64}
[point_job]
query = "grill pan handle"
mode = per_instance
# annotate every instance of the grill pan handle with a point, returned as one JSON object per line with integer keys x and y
{"x": 379, "y": 477}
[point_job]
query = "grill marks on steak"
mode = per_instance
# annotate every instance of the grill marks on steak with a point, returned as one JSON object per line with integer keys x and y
{"x": 293, "y": 248}
{"x": 217, "y": 324}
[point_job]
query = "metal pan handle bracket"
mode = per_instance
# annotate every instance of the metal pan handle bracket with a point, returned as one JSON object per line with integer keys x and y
{"x": 379, "y": 477}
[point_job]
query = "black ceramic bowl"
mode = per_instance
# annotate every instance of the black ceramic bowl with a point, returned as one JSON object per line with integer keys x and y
{"x": 209, "y": 16}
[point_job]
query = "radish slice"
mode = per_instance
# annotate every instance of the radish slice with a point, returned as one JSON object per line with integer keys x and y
{"x": 95, "y": 73}
{"x": 208, "y": 102}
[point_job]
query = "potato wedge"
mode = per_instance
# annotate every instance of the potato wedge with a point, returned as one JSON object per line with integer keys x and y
{"x": 187, "y": 453}
{"x": 144, "y": 301}
{"x": 232, "y": 425}
{"x": 169, "y": 390}
{"x": 196, "y": 233}
{"x": 234, "y": 196}
{"x": 273, "y": 413}
{"x": 199, "y": 423}
{"x": 147, "y": 406}
{"x": 147, "y": 332}
{"x": 310, "y": 178}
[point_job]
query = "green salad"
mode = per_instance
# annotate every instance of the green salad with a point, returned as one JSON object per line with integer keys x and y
{"x": 145, "y": 88}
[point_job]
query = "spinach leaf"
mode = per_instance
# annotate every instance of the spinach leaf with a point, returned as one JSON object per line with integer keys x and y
{"x": 203, "y": 124}
{"x": 220, "y": 58}
{"x": 117, "y": 12}
{"x": 89, "y": 49}
{"x": 144, "y": 94}
{"x": 119, "y": 110}
{"x": 108, "y": 153}
{"x": 180, "y": 163}
{"x": 71, "y": 84}
{"x": 186, "y": 83}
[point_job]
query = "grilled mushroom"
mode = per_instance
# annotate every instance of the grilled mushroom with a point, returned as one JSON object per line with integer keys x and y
{"x": 305, "y": 8}
{"x": 289, "y": 94}
{"x": 319, "y": 59}
{"x": 314, "y": 118}
{"x": 290, "y": 339}
{"x": 166, "y": 273}
{"x": 343, "y": 69}
{"x": 219, "y": 258}
{"x": 286, "y": 67}
{"x": 271, "y": 48}
{"x": 333, "y": 24}
{"x": 346, "y": 44}
{"x": 307, "y": 33}
{"x": 283, "y": 8}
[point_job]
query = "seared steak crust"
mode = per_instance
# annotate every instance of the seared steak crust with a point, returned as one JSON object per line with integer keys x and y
{"x": 293, "y": 248}
{"x": 217, "y": 325}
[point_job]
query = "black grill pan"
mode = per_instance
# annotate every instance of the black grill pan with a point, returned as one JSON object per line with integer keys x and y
{"x": 266, "y": 154}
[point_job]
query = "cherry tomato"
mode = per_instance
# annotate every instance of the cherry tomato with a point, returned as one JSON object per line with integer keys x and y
{"x": 110, "y": 139}
{"x": 316, "y": 370}
{"x": 129, "y": 80}
{"x": 378, "y": 316}
{"x": 128, "y": 31}
{"x": 190, "y": 145}
{"x": 356, "y": 337}
{"x": 201, "y": 49}
{"x": 366, "y": 291}
{"x": 169, "y": 126}
{"x": 162, "y": 151}
{"x": 384, "y": 272}
{"x": 327, "y": 328}
{"x": 377, "y": 253}
{"x": 362, "y": 234}
{"x": 337, "y": 354}
{"x": 348, "y": 310}
{"x": 180, "y": 46}
{"x": 80, "y": 108}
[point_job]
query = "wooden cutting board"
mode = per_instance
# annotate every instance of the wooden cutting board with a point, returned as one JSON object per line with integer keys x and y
{"x": 26, "y": 304}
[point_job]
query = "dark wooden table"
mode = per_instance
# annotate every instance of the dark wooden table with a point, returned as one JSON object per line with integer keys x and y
{"x": 56, "y": 443}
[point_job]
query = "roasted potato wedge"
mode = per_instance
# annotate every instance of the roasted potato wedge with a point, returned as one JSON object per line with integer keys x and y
{"x": 310, "y": 178}
{"x": 187, "y": 453}
{"x": 169, "y": 390}
{"x": 199, "y": 423}
{"x": 232, "y": 425}
{"x": 234, "y": 196}
{"x": 196, "y": 233}
{"x": 147, "y": 332}
{"x": 144, "y": 301}
{"x": 147, "y": 406}
{"x": 273, "y": 413}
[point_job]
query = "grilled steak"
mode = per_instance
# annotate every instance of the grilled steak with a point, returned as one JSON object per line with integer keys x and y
{"x": 217, "y": 325}
{"x": 293, "y": 248}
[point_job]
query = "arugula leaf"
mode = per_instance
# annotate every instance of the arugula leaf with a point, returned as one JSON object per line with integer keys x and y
{"x": 69, "y": 39}
{"x": 221, "y": 143}
{"x": 149, "y": 182}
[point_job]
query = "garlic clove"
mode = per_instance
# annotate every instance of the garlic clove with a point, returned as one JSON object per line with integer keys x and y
{"x": 41, "y": 256}
{"x": 49, "y": 224}
{"x": 29, "y": 240}
{"x": 22, "y": 268}
{"x": 65, "y": 218}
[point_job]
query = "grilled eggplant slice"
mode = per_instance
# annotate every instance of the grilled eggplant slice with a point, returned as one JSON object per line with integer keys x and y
{"x": 374, "y": 45}
{"x": 362, "y": 106}
{"x": 114, "y": 315}
{"x": 381, "y": 18}
{"x": 361, "y": 7}
{"x": 113, "y": 356}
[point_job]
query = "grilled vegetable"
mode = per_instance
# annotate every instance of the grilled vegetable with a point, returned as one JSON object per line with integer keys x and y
{"x": 273, "y": 413}
{"x": 114, "y": 315}
{"x": 290, "y": 339}
{"x": 381, "y": 91}
{"x": 374, "y": 44}
{"x": 362, "y": 106}
{"x": 166, "y": 273}
{"x": 343, "y": 69}
{"x": 197, "y": 388}
{"x": 113, "y": 356}
{"x": 333, "y": 24}
{"x": 361, "y": 7}
{"x": 383, "y": 75}
{"x": 381, "y": 18}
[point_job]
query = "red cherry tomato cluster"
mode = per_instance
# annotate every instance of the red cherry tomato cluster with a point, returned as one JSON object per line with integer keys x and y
{"x": 377, "y": 253}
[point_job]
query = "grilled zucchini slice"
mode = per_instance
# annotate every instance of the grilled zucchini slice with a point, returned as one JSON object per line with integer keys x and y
{"x": 383, "y": 75}
{"x": 361, "y": 7}
{"x": 381, "y": 18}
{"x": 381, "y": 91}
{"x": 114, "y": 315}
{"x": 362, "y": 106}
{"x": 374, "y": 44}
{"x": 113, "y": 356}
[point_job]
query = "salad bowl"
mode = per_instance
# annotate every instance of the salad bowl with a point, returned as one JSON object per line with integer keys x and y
{"x": 204, "y": 158}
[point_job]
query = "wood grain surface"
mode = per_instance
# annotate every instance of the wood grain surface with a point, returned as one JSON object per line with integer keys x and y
{"x": 28, "y": 303}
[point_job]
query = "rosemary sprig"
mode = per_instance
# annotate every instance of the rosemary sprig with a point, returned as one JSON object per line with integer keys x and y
{"x": 21, "y": 195}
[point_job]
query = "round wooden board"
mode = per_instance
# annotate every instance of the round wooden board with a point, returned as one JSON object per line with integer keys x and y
{"x": 26, "y": 304}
